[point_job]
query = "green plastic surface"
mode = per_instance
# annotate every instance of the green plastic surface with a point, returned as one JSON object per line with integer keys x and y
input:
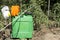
{"x": 22, "y": 27}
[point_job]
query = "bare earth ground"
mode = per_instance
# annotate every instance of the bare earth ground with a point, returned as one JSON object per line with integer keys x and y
{"x": 47, "y": 34}
{"x": 43, "y": 34}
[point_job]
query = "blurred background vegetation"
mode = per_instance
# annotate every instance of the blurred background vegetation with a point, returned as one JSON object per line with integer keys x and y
{"x": 40, "y": 11}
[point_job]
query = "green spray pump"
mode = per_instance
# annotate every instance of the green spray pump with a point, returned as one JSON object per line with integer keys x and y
{"x": 22, "y": 26}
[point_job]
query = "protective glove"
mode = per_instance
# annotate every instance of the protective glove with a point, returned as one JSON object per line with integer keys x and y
{"x": 5, "y": 12}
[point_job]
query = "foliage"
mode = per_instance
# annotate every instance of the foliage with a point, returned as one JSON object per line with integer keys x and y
{"x": 38, "y": 14}
{"x": 56, "y": 11}
{"x": 39, "y": 10}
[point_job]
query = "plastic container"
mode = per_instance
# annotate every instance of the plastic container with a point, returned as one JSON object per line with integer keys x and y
{"x": 23, "y": 27}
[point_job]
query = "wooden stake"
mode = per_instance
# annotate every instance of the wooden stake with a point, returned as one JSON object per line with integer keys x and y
{"x": 48, "y": 7}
